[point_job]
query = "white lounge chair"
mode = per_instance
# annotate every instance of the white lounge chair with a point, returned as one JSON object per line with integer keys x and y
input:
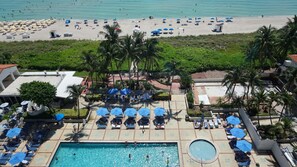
{"x": 219, "y": 121}
{"x": 216, "y": 123}
{"x": 197, "y": 124}
{"x": 205, "y": 124}
{"x": 230, "y": 137}
{"x": 210, "y": 124}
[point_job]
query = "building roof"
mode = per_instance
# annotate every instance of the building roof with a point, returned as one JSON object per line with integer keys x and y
{"x": 293, "y": 57}
{"x": 60, "y": 80}
{"x": 4, "y": 66}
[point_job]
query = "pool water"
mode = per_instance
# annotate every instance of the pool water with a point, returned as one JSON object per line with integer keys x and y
{"x": 115, "y": 155}
{"x": 202, "y": 150}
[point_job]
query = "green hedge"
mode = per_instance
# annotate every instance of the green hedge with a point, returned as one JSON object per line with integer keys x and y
{"x": 162, "y": 96}
{"x": 69, "y": 114}
{"x": 95, "y": 97}
{"x": 198, "y": 113}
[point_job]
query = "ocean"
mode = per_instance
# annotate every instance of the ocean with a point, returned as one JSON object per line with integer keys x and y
{"x": 128, "y": 9}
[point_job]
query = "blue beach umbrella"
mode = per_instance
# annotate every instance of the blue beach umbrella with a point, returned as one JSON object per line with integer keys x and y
{"x": 113, "y": 91}
{"x": 102, "y": 111}
{"x": 164, "y": 18}
{"x": 59, "y": 116}
{"x": 239, "y": 133}
{"x": 67, "y": 22}
{"x": 244, "y": 145}
{"x": 17, "y": 158}
{"x": 117, "y": 111}
{"x": 13, "y": 132}
{"x": 233, "y": 120}
{"x": 160, "y": 29}
{"x": 159, "y": 111}
{"x": 171, "y": 29}
{"x": 144, "y": 112}
{"x": 190, "y": 18}
{"x": 130, "y": 112}
{"x": 212, "y": 18}
{"x": 125, "y": 91}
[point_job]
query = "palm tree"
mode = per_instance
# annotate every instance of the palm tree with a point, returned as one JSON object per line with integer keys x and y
{"x": 260, "y": 100}
{"x": 138, "y": 42}
{"x": 127, "y": 50}
{"x": 171, "y": 68}
{"x": 262, "y": 48}
{"x": 272, "y": 97}
{"x": 287, "y": 39}
{"x": 150, "y": 54}
{"x": 75, "y": 93}
{"x": 253, "y": 79}
{"x": 232, "y": 78}
{"x": 291, "y": 77}
{"x": 90, "y": 63}
{"x": 111, "y": 33}
{"x": 287, "y": 100}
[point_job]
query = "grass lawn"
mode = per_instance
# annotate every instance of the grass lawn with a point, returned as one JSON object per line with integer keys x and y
{"x": 201, "y": 53}
{"x": 69, "y": 113}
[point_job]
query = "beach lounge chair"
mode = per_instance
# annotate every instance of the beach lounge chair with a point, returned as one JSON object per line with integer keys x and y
{"x": 102, "y": 123}
{"x": 230, "y": 137}
{"x": 8, "y": 149}
{"x": 30, "y": 148}
{"x": 216, "y": 123}
{"x": 205, "y": 124}
{"x": 210, "y": 124}
{"x": 130, "y": 123}
{"x": 219, "y": 121}
{"x": 159, "y": 122}
{"x": 228, "y": 131}
{"x": 116, "y": 123}
{"x": 197, "y": 124}
{"x": 144, "y": 123}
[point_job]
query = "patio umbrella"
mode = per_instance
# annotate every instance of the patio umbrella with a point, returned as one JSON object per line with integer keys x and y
{"x": 17, "y": 158}
{"x": 155, "y": 32}
{"x": 144, "y": 112}
{"x": 171, "y": 29}
{"x": 113, "y": 91}
{"x": 159, "y": 111}
{"x": 239, "y": 133}
{"x": 165, "y": 29}
{"x": 117, "y": 111}
{"x": 102, "y": 111}
{"x": 130, "y": 112}
{"x": 59, "y": 116}
{"x": 233, "y": 120}
{"x": 244, "y": 145}
{"x": 125, "y": 91}
{"x": 23, "y": 103}
{"x": 3, "y": 105}
{"x": 13, "y": 132}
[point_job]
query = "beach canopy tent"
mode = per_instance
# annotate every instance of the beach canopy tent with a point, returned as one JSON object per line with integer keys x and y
{"x": 155, "y": 32}
{"x": 17, "y": 158}
{"x": 113, "y": 91}
{"x": 218, "y": 27}
{"x": 67, "y": 22}
{"x": 244, "y": 145}
{"x": 3, "y": 105}
{"x": 239, "y": 133}
{"x": 102, "y": 112}
{"x": 159, "y": 111}
{"x": 13, "y": 132}
{"x": 125, "y": 91}
{"x": 117, "y": 111}
{"x": 59, "y": 116}
{"x": 144, "y": 112}
{"x": 130, "y": 112}
{"x": 233, "y": 120}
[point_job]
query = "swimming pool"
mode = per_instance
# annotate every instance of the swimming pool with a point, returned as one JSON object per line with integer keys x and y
{"x": 115, "y": 154}
{"x": 203, "y": 151}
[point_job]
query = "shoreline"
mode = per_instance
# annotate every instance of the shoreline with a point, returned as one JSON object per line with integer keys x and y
{"x": 186, "y": 27}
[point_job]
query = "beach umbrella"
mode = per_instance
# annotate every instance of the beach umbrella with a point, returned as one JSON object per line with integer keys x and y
{"x": 144, "y": 112}
{"x": 17, "y": 158}
{"x": 59, "y": 117}
{"x": 130, "y": 112}
{"x": 23, "y": 103}
{"x": 102, "y": 111}
{"x": 13, "y": 132}
{"x": 233, "y": 120}
{"x": 189, "y": 18}
{"x": 3, "y": 105}
{"x": 244, "y": 145}
{"x": 159, "y": 111}
{"x": 212, "y": 18}
{"x": 160, "y": 29}
{"x": 113, "y": 91}
{"x": 239, "y": 133}
{"x": 117, "y": 111}
{"x": 165, "y": 29}
{"x": 125, "y": 91}
{"x": 171, "y": 29}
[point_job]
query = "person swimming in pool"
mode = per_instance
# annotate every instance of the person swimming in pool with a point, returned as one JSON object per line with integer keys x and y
{"x": 147, "y": 157}
{"x": 130, "y": 157}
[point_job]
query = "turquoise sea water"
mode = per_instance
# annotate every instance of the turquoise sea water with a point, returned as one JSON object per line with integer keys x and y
{"x": 115, "y": 155}
{"x": 123, "y": 9}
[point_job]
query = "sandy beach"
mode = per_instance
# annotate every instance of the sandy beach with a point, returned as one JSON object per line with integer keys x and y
{"x": 91, "y": 31}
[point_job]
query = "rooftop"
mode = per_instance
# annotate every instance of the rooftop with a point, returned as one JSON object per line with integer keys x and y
{"x": 293, "y": 57}
{"x": 4, "y": 66}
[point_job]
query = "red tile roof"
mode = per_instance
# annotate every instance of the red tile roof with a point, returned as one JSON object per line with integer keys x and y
{"x": 4, "y": 66}
{"x": 293, "y": 57}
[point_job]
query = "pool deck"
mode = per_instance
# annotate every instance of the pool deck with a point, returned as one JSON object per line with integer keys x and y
{"x": 180, "y": 131}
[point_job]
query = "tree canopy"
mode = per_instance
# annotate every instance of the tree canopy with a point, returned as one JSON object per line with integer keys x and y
{"x": 39, "y": 92}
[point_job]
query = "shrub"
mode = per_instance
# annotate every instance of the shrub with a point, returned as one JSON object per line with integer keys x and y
{"x": 162, "y": 96}
{"x": 95, "y": 97}
{"x": 197, "y": 113}
{"x": 190, "y": 99}
{"x": 69, "y": 114}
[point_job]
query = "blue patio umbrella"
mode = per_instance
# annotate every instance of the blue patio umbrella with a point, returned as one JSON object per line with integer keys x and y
{"x": 244, "y": 145}
{"x": 233, "y": 120}
{"x": 125, "y": 91}
{"x": 239, "y": 133}
{"x": 189, "y": 18}
{"x": 159, "y": 111}
{"x": 212, "y": 18}
{"x": 144, "y": 112}
{"x": 117, "y": 111}
{"x": 160, "y": 29}
{"x": 59, "y": 116}
{"x": 155, "y": 32}
{"x": 17, "y": 158}
{"x": 113, "y": 91}
{"x": 171, "y": 29}
{"x": 165, "y": 29}
{"x": 13, "y": 132}
{"x": 130, "y": 112}
{"x": 102, "y": 111}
